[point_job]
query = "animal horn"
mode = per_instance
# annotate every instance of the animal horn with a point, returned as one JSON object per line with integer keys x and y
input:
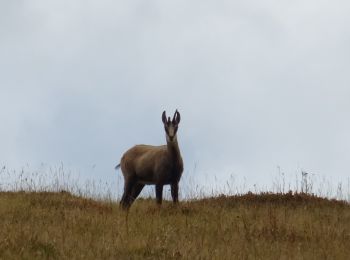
{"x": 176, "y": 118}
{"x": 164, "y": 117}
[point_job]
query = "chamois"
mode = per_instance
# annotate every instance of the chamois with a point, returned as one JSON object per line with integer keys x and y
{"x": 158, "y": 165}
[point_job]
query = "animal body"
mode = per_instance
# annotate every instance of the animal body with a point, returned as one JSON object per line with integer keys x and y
{"x": 153, "y": 165}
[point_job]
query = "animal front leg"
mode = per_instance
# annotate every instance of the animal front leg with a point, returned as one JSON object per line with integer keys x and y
{"x": 175, "y": 192}
{"x": 159, "y": 193}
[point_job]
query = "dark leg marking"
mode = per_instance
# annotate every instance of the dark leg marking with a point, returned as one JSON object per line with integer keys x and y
{"x": 159, "y": 193}
{"x": 136, "y": 190}
{"x": 125, "y": 201}
{"x": 175, "y": 192}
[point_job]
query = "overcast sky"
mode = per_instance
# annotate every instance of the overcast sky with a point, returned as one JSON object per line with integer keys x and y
{"x": 259, "y": 85}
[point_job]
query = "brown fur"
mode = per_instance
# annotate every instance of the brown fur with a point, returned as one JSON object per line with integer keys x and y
{"x": 158, "y": 165}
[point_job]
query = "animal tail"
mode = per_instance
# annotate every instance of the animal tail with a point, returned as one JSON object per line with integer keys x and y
{"x": 117, "y": 167}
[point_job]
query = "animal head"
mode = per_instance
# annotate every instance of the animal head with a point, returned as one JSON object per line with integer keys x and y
{"x": 171, "y": 126}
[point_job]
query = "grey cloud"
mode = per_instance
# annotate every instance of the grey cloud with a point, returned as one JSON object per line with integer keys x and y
{"x": 260, "y": 84}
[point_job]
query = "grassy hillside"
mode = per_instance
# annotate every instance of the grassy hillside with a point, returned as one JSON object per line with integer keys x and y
{"x": 265, "y": 226}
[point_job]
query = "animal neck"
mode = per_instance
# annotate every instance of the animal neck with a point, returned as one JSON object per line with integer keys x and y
{"x": 173, "y": 149}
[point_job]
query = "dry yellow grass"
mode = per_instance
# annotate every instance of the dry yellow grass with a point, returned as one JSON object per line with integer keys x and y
{"x": 265, "y": 226}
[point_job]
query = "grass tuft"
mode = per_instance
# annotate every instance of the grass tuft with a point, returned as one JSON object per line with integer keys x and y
{"x": 59, "y": 225}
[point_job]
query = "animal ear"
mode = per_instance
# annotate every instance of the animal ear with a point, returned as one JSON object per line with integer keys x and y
{"x": 164, "y": 117}
{"x": 176, "y": 118}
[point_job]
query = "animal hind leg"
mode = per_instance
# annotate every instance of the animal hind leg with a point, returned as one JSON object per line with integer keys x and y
{"x": 125, "y": 201}
{"x": 136, "y": 190}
